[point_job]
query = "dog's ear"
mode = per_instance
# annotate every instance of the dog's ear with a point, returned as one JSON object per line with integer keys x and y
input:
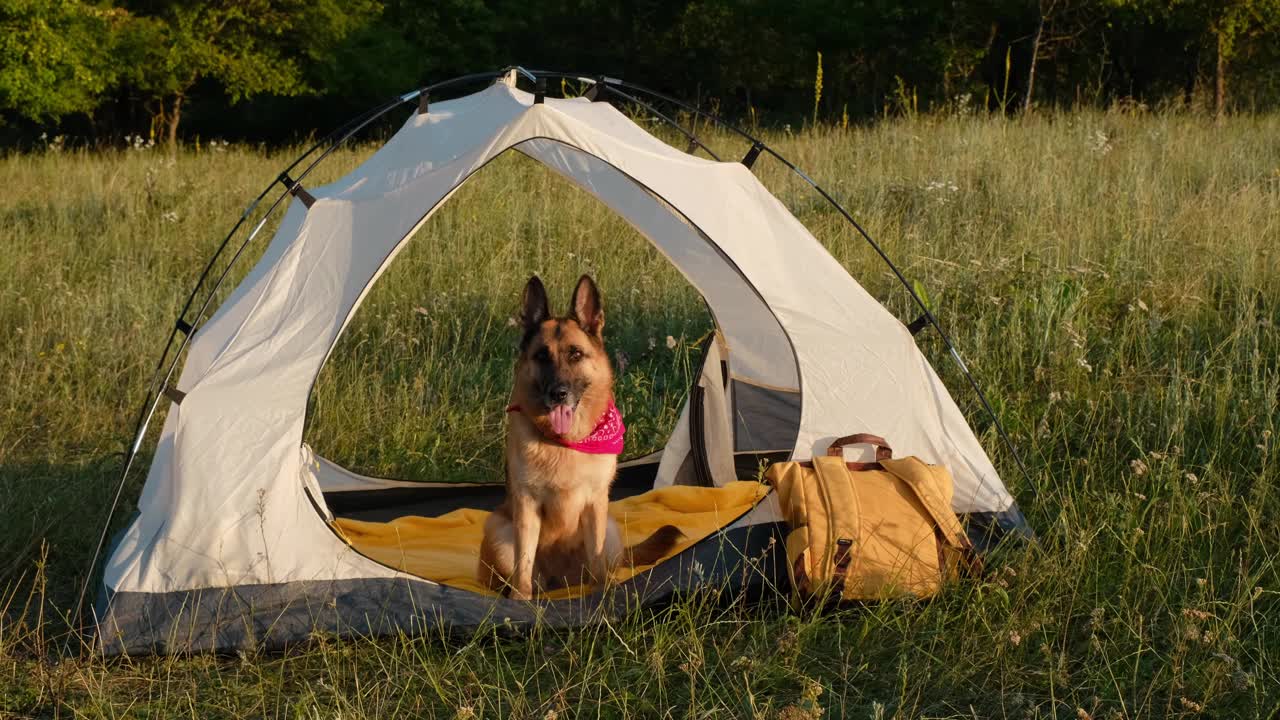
{"x": 586, "y": 306}
{"x": 534, "y": 305}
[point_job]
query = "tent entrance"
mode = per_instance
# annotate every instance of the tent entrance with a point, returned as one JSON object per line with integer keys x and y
{"x": 433, "y": 530}
{"x": 448, "y": 321}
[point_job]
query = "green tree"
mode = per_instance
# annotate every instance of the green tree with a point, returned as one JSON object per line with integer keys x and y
{"x": 55, "y": 57}
{"x": 1225, "y": 27}
{"x": 246, "y": 47}
{"x": 1229, "y": 24}
{"x": 409, "y": 44}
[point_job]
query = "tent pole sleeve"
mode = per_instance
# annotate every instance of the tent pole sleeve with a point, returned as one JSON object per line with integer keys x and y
{"x": 693, "y": 139}
{"x": 295, "y": 189}
{"x": 597, "y": 91}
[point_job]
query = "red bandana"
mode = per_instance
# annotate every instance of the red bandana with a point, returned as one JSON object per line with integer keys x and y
{"x": 606, "y": 439}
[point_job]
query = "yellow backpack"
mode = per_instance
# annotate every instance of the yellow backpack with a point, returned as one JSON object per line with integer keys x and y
{"x": 870, "y": 531}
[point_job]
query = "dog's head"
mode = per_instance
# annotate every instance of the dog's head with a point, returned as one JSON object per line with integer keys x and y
{"x": 563, "y": 378}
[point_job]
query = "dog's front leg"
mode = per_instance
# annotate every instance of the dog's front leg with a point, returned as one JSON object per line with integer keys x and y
{"x": 595, "y": 534}
{"x": 528, "y": 525}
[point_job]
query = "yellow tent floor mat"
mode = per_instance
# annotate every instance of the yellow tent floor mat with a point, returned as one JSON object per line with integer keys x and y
{"x": 446, "y": 549}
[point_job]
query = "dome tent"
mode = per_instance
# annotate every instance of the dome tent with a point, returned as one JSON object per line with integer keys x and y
{"x": 232, "y": 545}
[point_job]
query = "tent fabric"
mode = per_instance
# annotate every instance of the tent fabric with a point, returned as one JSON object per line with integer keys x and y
{"x": 230, "y": 498}
{"x": 714, "y": 450}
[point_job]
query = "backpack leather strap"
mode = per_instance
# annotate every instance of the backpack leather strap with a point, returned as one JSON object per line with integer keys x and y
{"x": 883, "y": 451}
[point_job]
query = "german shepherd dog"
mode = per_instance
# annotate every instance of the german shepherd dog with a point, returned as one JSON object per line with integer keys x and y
{"x": 553, "y": 529}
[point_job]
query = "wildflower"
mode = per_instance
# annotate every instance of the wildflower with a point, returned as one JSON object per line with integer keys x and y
{"x": 1096, "y": 617}
{"x": 671, "y": 343}
{"x": 1192, "y": 705}
{"x": 1138, "y": 467}
{"x": 692, "y": 665}
{"x": 1054, "y": 397}
{"x": 1194, "y": 614}
{"x": 1015, "y": 639}
{"x": 1099, "y": 143}
{"x": 1084, "y": 364}
{"x": 652, "y": 343}
{"x": 512, "y": 322}
{"x": 423, "y": 312}
{"x": 944, "y": 189}
{"x": 170, "y": 216}
{"x": 1192, "y": 478}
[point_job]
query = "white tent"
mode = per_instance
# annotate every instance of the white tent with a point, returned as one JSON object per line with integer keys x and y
{"x": 231, "y": 546}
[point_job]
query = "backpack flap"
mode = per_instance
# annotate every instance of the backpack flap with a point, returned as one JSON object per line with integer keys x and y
{"x": 932, "y": 486}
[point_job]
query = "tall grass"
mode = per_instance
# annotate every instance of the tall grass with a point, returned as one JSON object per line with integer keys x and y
{"x": 1113, "y": 281}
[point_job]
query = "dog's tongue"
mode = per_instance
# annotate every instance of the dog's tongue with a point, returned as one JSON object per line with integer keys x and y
{"x": 561, "y": 417}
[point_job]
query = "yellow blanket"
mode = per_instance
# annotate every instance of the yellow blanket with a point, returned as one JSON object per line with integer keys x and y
{"x": 446, "y": 549}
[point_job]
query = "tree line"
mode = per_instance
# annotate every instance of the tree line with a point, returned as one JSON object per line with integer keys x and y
{"x": 277, "y": 70}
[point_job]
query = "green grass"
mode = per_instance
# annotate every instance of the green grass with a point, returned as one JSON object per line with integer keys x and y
{"x": 1112, "y": 280}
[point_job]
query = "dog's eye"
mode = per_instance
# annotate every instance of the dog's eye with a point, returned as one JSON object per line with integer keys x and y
{"x": 543, "y": 355}
{"x": 575, "y": 354}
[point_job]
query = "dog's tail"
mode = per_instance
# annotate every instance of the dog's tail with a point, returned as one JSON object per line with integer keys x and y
{"x": 653, "y": 548}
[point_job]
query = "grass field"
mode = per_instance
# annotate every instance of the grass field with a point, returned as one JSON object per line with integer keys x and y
{"x": 1113, "y": 281}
